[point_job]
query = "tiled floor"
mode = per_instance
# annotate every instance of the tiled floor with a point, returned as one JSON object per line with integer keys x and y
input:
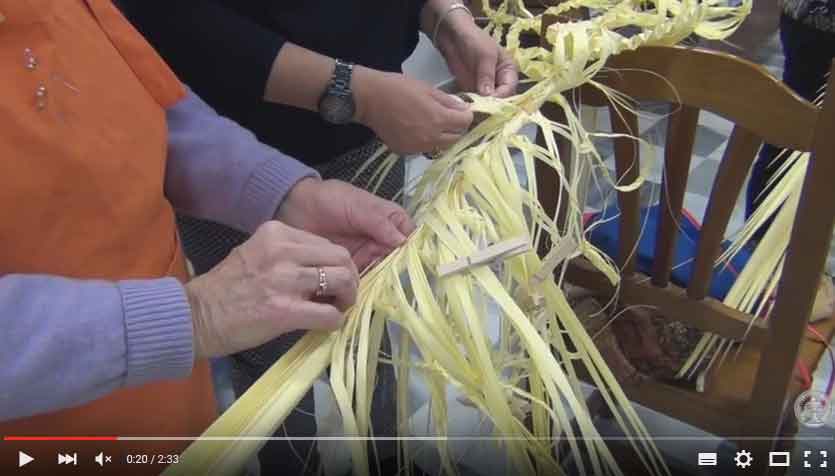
{"x": 711, "y": 139}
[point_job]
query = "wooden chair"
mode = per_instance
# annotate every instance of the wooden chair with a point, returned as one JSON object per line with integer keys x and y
{"x": 749, "y": 396}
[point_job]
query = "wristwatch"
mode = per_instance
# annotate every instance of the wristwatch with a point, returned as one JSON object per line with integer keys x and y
{"x": 336, "y": 105}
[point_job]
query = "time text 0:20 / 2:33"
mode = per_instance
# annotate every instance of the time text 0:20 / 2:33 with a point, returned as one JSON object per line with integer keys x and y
{"x": 143, "y": 458}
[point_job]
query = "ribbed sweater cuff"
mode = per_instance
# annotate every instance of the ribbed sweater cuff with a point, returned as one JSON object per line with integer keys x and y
{"x": 158, "y": 330}
{"x": 267, "y": 187}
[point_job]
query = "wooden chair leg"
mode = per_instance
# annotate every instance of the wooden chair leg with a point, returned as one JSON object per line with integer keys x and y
{"x": 788, "y": 429}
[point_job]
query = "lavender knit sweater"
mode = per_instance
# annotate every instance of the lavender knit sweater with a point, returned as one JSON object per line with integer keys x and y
{"x": 64, "y": 342}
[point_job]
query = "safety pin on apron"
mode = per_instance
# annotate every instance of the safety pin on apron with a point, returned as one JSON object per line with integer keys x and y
{"x": 30, "y": 60}
{"x": 31, "y": 63}
{"x": 41, "y": 97}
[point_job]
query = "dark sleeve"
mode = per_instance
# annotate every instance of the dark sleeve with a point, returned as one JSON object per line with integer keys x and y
{"x": 214, "y": 49}
{"x": 417, "y": 6}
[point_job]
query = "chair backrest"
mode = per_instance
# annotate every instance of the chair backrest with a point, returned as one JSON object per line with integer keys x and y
{"x": 762, "y": 109}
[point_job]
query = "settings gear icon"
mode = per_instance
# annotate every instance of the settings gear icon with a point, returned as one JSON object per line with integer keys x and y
{"x": 743, "y": 459}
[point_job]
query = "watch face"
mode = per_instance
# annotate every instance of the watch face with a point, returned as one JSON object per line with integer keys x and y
{"x": 337, "y": 108}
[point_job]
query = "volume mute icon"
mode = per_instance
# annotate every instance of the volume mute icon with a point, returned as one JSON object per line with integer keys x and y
{"x": 101, "y": 458}
{"x": 67, "y": 459}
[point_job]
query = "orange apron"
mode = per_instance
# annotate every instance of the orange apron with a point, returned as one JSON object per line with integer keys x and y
{"x": 83, "y": 142}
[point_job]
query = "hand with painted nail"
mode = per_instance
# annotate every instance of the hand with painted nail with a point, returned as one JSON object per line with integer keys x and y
{"x": 369, "y": 227}
{"x": 477, "y": 61}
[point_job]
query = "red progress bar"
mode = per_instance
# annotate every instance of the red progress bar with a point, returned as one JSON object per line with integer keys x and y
{"x": 60, "y": 438}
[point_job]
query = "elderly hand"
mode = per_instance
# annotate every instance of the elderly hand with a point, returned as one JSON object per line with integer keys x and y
{"x": 368, "y": 226}
{"x": 267, "y": 287}
{"x": 478, "y": 63}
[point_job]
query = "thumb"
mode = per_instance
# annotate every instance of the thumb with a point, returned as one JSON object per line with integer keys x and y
{"x": 383, "y": 221}
{"x": 368, "y": 253}
{"x": 393, "y": 230}
{"x": 486, "y": 74}
{"x": 450, "y": 101}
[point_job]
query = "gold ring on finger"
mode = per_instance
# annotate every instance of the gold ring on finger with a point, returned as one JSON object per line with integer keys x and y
{"x": 323, "y": 282}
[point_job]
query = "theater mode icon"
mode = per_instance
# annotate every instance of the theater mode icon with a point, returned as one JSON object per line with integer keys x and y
{"x": 707, "y": 459}
{"x": 67, "y": 459}
{"x": 779, "y": 459}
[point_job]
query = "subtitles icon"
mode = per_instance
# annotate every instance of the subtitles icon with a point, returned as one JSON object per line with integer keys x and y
{"x": 779, "y": 459}
{"x": 707, "y": 459}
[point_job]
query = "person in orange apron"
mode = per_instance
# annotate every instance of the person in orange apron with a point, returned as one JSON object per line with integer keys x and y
{"x": 101, "y": 333}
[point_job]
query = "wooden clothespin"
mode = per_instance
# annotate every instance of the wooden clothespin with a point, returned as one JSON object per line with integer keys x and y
{"x": 566, "y": 249}
{"x": 496, "y": 252}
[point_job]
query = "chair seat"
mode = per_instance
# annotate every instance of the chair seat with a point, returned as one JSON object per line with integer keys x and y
{"x": 734, "y": 380}
{"x": 727, "y": 390}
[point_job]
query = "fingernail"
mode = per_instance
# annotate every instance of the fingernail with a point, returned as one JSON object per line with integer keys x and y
{"x": 398, "y": 239}
{"x": 486, "y": 90}
{"x": 459, "y": 103}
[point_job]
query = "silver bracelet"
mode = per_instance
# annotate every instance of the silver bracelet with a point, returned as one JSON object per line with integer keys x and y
{"x": 450, "y": 9}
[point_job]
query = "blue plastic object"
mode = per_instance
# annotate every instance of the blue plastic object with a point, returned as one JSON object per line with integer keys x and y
{"x": 605, "y": 237}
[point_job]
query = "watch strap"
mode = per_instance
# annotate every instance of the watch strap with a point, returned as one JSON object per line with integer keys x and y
{"x": 341, "y": 80}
